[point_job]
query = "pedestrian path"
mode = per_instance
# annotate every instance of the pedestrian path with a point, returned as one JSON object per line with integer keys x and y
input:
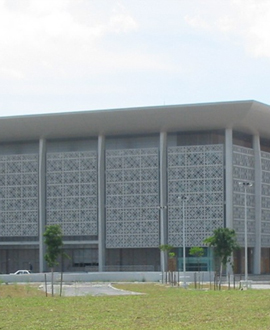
{"x": 86, "y": 289}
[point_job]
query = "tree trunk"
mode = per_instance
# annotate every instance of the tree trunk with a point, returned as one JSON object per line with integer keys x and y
{"x": 220, "y": 275}
{"x": 172, "y": 265}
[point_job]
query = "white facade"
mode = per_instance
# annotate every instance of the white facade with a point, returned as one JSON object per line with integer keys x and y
{"x": 112, "y": 180}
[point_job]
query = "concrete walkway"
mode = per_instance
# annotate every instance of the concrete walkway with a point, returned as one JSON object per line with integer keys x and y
{"x": 260, "y": 286}
{"x": 73, "y": 289}
{"x": 86, "y": 289}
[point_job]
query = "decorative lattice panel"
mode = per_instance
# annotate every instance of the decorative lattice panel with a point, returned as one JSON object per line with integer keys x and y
{"x": 132, "y": 198}
{"x": 18, "y": 195}
{"x": 265, "y": 213}
{"x": 196, "y": 172}
{"x": 72, "y": 192}
{"x": 243, "y": 171}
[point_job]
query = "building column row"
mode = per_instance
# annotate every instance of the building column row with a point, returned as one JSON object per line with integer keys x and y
{"x": 163, "y": 196}
{"x": 163, "y": 199}
{"x": 42, "y": 201}
{"x": 101, "y": 203}
{"x": 258, "y": 203}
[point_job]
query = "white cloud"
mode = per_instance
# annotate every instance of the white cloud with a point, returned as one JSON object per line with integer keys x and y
{"x": 121, "y": 20}
{"x": 75, "y": 54}
{"x": 248, "y": 20}
{"x": 39, "y": 37}
{"x": 10, "y": 74}
{"x": 197, "y": 22}
{"x": 256, "y": 33}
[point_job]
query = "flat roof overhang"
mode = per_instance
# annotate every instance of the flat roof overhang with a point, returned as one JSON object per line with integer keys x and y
{"x": 246, "y": 116}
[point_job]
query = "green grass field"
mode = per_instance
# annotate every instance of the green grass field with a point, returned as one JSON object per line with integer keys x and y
{"x": 160, "y": 307}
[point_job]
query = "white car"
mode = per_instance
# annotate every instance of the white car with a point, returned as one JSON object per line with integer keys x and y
{"x": 22, "y": 272}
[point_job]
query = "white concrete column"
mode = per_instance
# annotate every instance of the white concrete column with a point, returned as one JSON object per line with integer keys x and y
{"x": 229, "y": 178}
{"x": 101, "y": 203}
{"x": 163, "y": 199}
{"x": 42, "y": 201}
{"x": 258, "y": 201}
{"x": 229, "y": 184}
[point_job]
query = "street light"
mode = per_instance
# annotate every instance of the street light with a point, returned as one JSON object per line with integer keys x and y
{"x": 246, "y": 185}
{"x": 184, "y": 199}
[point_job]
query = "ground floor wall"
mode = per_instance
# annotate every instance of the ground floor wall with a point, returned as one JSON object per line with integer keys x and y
{"x": 132, "y": 260}
{"x": 84, "y": 258}
{"x": 13, "y": 258}
{"x": 204, "y": 262}
{"x": 265, "y": 264}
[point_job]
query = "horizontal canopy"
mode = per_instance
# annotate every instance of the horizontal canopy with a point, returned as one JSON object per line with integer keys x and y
{"x": 246, "y": 116}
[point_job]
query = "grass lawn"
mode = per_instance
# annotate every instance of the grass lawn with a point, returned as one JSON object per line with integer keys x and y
{"x": 161, "y": 307}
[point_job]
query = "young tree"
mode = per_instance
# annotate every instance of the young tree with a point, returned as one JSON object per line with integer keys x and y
{"x": 224, "y": 243}
{"x": 54, "y": 243}
{"x": 197, "y": 252}
{"x": 166, "y": 248}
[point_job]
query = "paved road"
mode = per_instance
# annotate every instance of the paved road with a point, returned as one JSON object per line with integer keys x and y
{"x": 107, "y": 289}
{"x": 260, "y": 286}
{"x": 85, "y": 289}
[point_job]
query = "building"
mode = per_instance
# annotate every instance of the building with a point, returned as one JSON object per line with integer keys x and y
{"x": 114, "y": 179}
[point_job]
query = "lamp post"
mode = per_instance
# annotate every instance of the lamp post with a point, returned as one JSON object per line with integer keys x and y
{"x": 184, "y": 199}
{"x": 246, "y": 185}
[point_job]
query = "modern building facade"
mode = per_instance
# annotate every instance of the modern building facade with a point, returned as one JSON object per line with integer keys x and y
{"x": 114, "y": 181}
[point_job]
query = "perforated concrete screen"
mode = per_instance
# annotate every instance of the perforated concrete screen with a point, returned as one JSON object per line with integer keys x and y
{"x": 72, "y": 192}
{"x": 196, "y": 172}
{"x": 132, "y": 198}
{"x": 243, "y": 171}
{"x": 19, "y": 195}
{"x": 265, "y": 215}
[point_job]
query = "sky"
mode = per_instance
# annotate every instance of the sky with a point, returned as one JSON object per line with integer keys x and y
{"x": 74, "y": 55}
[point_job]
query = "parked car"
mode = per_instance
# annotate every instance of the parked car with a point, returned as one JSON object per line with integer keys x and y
{"x": 22, "y": 272}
